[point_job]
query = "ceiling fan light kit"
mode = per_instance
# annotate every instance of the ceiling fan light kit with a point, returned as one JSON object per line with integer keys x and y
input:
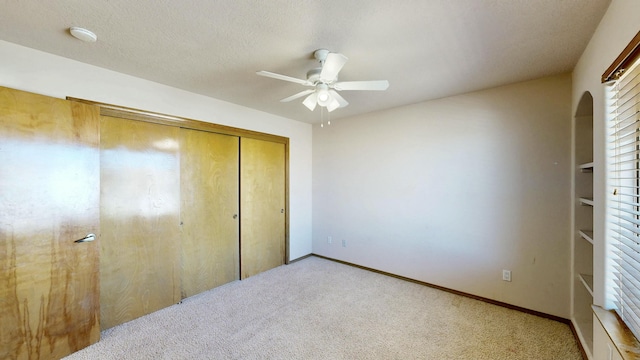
{"x": 324, "y": 81}
{"x": 323, "y": 94}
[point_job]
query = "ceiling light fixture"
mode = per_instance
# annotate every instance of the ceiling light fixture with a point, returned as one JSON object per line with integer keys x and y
{"x": 83, "y": 34}
{"x": 323, "y": 94}
{"x": 324, "y": 81}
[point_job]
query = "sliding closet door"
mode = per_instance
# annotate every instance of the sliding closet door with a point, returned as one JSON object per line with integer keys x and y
{"x": 140, "y": 226}
{"x": 49, "y": 197}
{"x": 262, "y": 205}
{"x": 210, "y": 223}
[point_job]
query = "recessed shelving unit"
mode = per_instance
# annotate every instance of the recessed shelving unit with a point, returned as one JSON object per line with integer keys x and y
{"x": 583, "y": 240}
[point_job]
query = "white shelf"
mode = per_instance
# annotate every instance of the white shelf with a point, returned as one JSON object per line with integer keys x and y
{"x": 586, "y": 167}
{"x": 586, "y": 201}
{"x": 587, "y": 235}
{"x": 587, "y": 281}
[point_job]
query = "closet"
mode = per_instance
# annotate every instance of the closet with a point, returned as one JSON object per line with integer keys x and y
{"x": 186, "y": 206}
{"x": 108, "y": 214}
{"x": 262, "y": 201}
{"x": 139, "y": 217}
{"x": 209, "y": 210}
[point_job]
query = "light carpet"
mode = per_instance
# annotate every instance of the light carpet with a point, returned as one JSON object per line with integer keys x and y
{"x": 320, "y": 309}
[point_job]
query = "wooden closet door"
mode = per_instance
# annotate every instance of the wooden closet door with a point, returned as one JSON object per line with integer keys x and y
{"x": 140, "y": 225}
{"x": 262, "y": 205}
{"x": 49, "y": 197}
{"x": 209, "y": 197}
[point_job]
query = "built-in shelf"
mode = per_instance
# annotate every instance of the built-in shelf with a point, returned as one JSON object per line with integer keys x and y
{"x": 587, "y": 281}
{"x": 587, "y": 235}
{"x": 583, "y": 240}
{"x": 586, "y": 201}
{"x": 586, "y": 167}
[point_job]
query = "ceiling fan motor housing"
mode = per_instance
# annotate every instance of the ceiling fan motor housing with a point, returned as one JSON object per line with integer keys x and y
{"x": 313, "y": 75}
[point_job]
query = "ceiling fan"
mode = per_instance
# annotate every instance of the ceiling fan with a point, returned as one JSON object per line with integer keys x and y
{"x": 325, "y": 84}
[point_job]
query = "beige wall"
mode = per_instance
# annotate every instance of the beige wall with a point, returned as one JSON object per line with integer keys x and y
{"x": 452, "y": 191}
{"x": 35, "y": 71}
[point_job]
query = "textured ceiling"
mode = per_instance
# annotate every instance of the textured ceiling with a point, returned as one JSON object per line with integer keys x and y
{"x": 427, "y": 49}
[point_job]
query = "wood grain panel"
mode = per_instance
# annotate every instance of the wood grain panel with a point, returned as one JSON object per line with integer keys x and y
{"x": 209, "y": 197}
{"x": 262, "y": 205}
{"x": 49, "y": 197}
{"x": 139, "y": 210}
{"x": 172, "y": 120}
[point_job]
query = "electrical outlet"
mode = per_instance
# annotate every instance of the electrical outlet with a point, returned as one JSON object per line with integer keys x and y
{"x": 506, "y": 275}
{"x": 329, "y": 239}
{"x": 344, "y": 243}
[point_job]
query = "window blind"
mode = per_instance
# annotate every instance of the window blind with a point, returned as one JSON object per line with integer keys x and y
{"x": 623, "y": 238}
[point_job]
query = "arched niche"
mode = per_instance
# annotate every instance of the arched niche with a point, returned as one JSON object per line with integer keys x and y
{"x": 583, "y": 220}
{"x": 584, "y": 129}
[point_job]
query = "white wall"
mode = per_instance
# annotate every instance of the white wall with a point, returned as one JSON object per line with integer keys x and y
{"x": 38, "y": 72}
{"x": 452, "y": 191}
{"x": 618, "y": 26}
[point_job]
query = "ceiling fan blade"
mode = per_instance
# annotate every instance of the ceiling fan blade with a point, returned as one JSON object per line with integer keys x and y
{"x": 311, "y": 101}
{"x": 341, "y": 101}
{"x": 283, "y": 77}
{"x": 362, "y": 85}
{"x": 298, "y": 95}
{"x": 332, "y": 66}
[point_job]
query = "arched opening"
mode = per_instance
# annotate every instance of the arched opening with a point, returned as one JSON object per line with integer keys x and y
{"x": 583, "y": 219}
{"x": 584, "y": 129}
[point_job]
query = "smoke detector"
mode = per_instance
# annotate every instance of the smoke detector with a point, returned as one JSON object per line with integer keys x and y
{"x": 83, "y": 34}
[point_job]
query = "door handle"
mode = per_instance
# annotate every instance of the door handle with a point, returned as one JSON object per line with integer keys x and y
{"x": 88, "y": 238}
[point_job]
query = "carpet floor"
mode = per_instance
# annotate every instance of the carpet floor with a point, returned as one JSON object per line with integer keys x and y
{"x": 320, "y": 309}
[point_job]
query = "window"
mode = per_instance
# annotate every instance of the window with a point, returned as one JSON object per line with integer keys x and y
{"x": 623, "y": 169}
